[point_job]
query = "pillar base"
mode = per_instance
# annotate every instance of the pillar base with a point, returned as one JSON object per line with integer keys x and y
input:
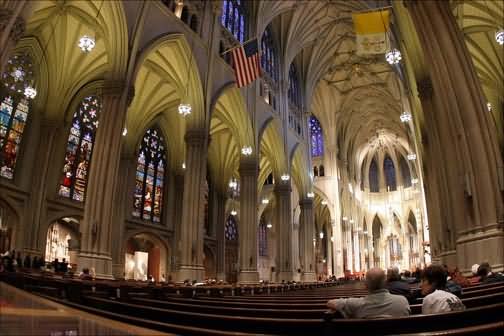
{"x": 118, "y": 271}
{"x": 285, "y": 275}
{"x": 309, "y": 277}
{"x": 477, "y": 247}
{"x": 191, "y": 273}
{"x": 100, "y": 263}
{"x": 248, "y": 277}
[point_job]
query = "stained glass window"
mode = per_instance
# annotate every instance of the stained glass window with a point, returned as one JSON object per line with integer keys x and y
{"x": 374, "y": 184}
{"x": 317, "y": 138}
{"x": 150, "y": 174}
{"x": 231, "y": 229}
{"x": 268, "y": 54}
{"x": 293, "y": 91}
{"x": 80, "y": 148}
{"x": 405, "y": 172}
{"x": 234, "y": 18}
{"x": 14, "y": 109}
{"x": 262, "y": 237}
{"x": 390, "y": 175}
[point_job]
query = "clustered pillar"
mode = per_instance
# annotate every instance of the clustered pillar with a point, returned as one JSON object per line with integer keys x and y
{"x": 284, "y": 261}
{"x": 307, "y": 233}
{"x": 248, "y": 221}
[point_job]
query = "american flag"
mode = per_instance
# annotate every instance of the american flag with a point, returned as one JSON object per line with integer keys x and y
{"x": 246, "y": 63}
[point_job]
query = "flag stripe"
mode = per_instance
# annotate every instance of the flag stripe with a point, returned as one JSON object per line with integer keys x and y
{"x": 247, "y": 68}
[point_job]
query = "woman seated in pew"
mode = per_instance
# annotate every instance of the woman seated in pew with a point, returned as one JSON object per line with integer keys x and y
{"x": 378, "y": 303}
{"x": 486, "y": 275}
{"x": 437, "y": 299}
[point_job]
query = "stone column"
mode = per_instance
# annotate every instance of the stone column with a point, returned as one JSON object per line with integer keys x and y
{"x": 220, "y": 236}
{"x": 36, "y": 235}
{"x": 471, "y": 156}
{"x": 248, "y": 221}
{"x": 191, "y": 233}
{"x": 12, "y": 27}
{"x": 122, "y": 209}
{"x": 356, "y": 250}
{"x": 329, "y": 250}
{"x": 96, "y": 226}
{"x": 284, "y": 233}
{"x": 306, "y": 235}
{"x": 178, "y": 181}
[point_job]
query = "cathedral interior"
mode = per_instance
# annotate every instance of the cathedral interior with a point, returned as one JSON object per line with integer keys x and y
{"x": 127, "y": 147}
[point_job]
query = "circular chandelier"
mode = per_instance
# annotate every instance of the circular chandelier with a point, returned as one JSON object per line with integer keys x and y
{"x": 285, "y": 177}
{"x": 233, "y": 212}
{"x": 86, "y": 43}
{"x": 499, "y": 36}
{"x": 310, "y": 195}
{"x": 412, "y": 157}
{"x": 405, "y": 117}
{"x": 324, "y": 202}
{"x": 393, "y": 56}
{"x": 265, "y": 201}
{"x": 30, "y": 92}
{"x": 233, "y": 184}
{"x": 246, "y": 150}
{"x": 184, "y": 109}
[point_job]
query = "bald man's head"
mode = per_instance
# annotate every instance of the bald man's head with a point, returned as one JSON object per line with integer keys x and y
{"x": 375, "y": 279}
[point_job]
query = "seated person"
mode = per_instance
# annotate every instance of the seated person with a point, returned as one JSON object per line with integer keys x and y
{"x": 85, "y": 275}
{"x": 378, "y": 303}
{"x": 395, "y": 285}
{"x": 437, "y": 299}
{"x": 486, "y": 275}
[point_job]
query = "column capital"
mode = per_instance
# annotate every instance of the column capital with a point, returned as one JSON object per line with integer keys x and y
{"x": 116, "y": 88}
{"x": 195, "y": 137}
{"x": 306, "y": 203}
{"x": 282, "y": 188}
{"x": 248, "y": 166}
{"x": 425, "y": 88}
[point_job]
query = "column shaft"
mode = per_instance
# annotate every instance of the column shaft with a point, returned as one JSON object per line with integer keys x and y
{"x": 284, "y": 233}
{"x": 220, "y": 236}
{"x": 307, "y": 233}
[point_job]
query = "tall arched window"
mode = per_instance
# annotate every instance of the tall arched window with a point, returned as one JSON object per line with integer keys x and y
{"x": 150, "y": 174}
{"x": 268, "y": 54}
{"x": 390, "y": 175}
{"x": 317, "y": 138}
{"x": 262, "y": 237}
{"x": 234, "y": 18}
{"x": 80, "y": 148}
{"x": 405, "y": 172}
{"x": 14, "y": 109}
{"x": 293, "y": 92}
{"x": 231, "y": 229}
{"x": 374, "y": 183}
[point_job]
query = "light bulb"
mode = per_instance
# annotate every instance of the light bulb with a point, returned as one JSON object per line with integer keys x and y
{"x": 269, "y": 226}
{"x": 324, "y": 202}
{"x": 489, "y": 107}
{"x": 86, "y": 43}
{"x": 412, "y": 157}
{"x": 285, "y": 177}
{"x": 393, "y": 56}
{"x": 183, "y": 165}
{"x": 30, "y": 92}
{"x": 233, "y": 184}
{"x": 310, "y": 195}
{"x": 265, "y": 201}
{"x": 345, "y": 218}
{"x": 125, "y": 131}
{"x": 321, "y": 235}
{"x": 233, "y": 212}
{"x": 184, "y": 109}
{"x": 414, "y": 181}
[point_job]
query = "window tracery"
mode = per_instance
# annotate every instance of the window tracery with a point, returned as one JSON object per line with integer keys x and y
{"x": 390, "y": 174}
{"x": 374, "y": 184}
{"x": 317, "y": 138}
{"x": 231, "y": 229}
{"x": 80, "y": 148}
{"x": 234, "y": 18}
{"x": 14, "y": 110}
{"x": 150, "y": 174}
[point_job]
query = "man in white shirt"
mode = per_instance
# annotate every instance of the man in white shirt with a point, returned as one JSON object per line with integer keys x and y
{"x": 378, "y": 303}
{"x": 437, "y": 300}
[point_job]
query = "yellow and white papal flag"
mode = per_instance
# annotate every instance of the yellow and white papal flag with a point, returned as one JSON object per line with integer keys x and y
{"x": 371, "y": 31}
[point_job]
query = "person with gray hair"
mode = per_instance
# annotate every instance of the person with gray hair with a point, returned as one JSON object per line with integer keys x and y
{"x": 396, "y": 285}
{"x": 377, "y": 304}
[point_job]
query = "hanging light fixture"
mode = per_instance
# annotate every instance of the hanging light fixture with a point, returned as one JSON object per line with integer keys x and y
{"x": 125, "y": 131}
{"x": 265, "y": 201}
{"x": 269, "y": 226}
{"x": 233, "y": 212}
{"x": 499, "y": 36}
{"x": 285, "y": 177}
{"x": 321, "y": 235}
{"x": 184, "y": 109}
{"x": 87, "y": 43}
{"x": 405, "y": 117}
{"x": 345, "y": 218}
{"x": 393, "y": 56}
{"x": 414, "y": 181}
{"x": 246, "y": 150}
{"x": 352, "y": 221}
{"x": 30, "y": 92}
{"x": 489, "y": 107}
{"x": 324, "y": 202}
{"x": 183, "y": 165}
{"x": 233, "y": 184}
{"x": 310, "y": 195}
{"x": 412, "y": 157}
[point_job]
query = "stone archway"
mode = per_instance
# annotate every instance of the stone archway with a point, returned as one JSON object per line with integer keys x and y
{"x": 62, "y": 240}
{"x": 145, "y": 254}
